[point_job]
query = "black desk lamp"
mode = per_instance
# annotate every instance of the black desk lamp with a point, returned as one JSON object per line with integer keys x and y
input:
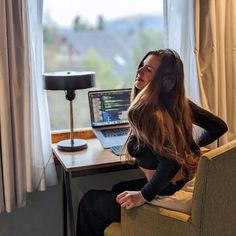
{"x": 70, "y": 81}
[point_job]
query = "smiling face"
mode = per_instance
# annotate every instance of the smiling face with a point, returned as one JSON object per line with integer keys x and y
{"x": 147, "y": 71}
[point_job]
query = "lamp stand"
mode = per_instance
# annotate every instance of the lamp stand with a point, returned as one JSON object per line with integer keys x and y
{"x": 71, "y": 145}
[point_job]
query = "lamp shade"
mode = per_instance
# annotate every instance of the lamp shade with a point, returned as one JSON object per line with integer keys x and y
{"x": 69, "y": 80}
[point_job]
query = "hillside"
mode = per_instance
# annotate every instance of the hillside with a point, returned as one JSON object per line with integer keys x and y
{"x": 132, "y": 23}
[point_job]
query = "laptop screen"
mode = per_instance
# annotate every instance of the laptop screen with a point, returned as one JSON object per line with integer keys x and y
{"x": 109, "y": 107}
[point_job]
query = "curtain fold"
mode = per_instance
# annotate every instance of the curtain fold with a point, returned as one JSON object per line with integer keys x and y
{"x": 12, "y": 105}
{"x": 215, "y": 39}
{"x": 25, "y": 152}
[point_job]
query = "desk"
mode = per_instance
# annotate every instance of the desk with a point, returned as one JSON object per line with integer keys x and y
{"x": 89, "y": 161}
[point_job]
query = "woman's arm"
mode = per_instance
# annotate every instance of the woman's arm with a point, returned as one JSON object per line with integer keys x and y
{"x": 165, "y": 172}
{"x": 213, "y": 126}
{"x": 162, "y": 177}
{"x": 161, "y": 173}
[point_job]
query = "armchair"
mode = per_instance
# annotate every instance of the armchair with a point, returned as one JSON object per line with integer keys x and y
{"x": 213, "y": 204}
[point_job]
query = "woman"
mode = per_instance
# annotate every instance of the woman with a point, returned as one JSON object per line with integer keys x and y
{"x": 161, "y": 141}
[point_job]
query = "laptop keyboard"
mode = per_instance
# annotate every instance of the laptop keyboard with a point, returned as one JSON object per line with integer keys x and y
{"x": 117, "y": 149}
{"x": 115, "y": 132}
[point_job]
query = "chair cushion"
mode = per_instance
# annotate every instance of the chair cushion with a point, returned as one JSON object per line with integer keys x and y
{"x": 114, "y": 229}
{"x": 179, "y": 201}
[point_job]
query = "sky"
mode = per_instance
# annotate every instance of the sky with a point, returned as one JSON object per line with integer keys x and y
{"x": 62, "y": 12}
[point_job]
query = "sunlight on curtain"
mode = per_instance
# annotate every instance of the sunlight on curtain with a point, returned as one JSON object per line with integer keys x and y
{"x": 179, "y": 25}
{"x": 215, "y": 36}
{"x": 25, "y": 152}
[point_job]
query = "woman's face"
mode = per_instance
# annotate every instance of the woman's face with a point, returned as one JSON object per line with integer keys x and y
{"x": 147, "y": 71}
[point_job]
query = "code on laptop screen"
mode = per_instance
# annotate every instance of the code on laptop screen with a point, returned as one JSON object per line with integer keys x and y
{"x": 108, "y": 107}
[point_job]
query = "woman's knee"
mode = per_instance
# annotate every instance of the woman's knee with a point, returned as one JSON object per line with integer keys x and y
{"x": 87, "y": 201}
{"x": 132, "y": 185}
{"x": 90, "y": 195}
{"x": 92, "y": 198}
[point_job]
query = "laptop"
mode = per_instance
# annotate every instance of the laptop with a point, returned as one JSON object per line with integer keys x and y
{"x": 108, "y": 113}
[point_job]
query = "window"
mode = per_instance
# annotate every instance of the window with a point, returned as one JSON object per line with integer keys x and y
{"x": 109, "y": 38}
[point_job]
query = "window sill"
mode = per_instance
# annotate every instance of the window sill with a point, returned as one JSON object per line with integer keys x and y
{"x": 59, "y": 135}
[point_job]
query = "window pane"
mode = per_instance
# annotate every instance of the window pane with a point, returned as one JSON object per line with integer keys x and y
{"x": 109, "y": 38}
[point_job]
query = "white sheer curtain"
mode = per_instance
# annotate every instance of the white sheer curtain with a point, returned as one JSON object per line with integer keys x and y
{"x": 179, "y": 25}
{"x": 40, "y": 133}
{"x": 26, "y": 162}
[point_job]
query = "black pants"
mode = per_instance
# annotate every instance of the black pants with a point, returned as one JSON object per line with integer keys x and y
{"x": 98, "y": 208}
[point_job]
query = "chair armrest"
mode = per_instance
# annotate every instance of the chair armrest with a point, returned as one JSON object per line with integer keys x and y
{"x": 148, "y": 219}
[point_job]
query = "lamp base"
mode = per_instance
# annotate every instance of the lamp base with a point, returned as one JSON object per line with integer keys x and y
{"x": 69, "y": 146}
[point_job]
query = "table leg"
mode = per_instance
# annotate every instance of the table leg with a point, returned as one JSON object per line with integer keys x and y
{"x": 69, "y": 203}
{"x": 64, "y": 204}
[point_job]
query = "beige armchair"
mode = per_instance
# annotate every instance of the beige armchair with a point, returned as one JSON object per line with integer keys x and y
{"x": 213, "y": 206}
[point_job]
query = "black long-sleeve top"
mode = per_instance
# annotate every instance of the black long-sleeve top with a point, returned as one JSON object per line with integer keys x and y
{"x": 166, "y": 169}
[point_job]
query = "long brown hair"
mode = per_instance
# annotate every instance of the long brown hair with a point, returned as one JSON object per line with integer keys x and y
{"x": 159, "y": 114}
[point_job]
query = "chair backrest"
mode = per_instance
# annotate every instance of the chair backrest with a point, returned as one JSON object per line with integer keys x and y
{"x": 214, "y": 196}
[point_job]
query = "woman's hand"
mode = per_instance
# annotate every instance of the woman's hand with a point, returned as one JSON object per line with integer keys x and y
{"x": 130, "y": 199}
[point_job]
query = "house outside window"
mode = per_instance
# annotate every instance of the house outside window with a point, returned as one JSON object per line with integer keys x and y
{"x": 111, "y": 43}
